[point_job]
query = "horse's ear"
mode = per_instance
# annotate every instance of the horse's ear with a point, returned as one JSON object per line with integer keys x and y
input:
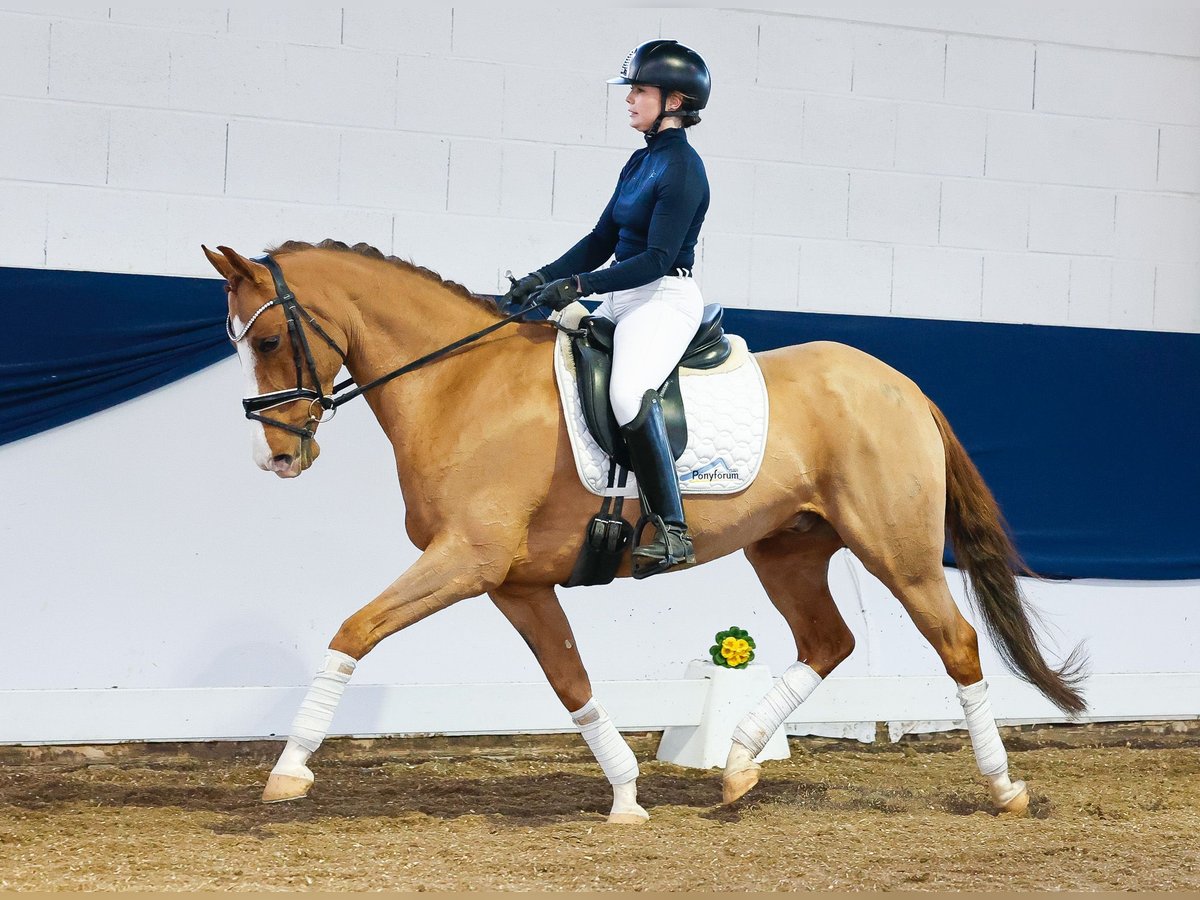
{"x": 235, "y": 267}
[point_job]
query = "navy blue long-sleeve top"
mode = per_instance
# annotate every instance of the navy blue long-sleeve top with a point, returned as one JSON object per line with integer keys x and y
{"x": 651, "y": 223}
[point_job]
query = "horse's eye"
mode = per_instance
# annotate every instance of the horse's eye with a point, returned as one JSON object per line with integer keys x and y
{"x": 266, "y": 345}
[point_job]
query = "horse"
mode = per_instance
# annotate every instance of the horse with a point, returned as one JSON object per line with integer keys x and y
{"x": 856, "y": 456}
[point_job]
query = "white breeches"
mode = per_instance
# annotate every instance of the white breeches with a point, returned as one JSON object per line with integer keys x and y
{"x": 655, "y": 324}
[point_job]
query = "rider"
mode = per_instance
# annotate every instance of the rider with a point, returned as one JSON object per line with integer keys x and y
{"x": 650, "y": 226}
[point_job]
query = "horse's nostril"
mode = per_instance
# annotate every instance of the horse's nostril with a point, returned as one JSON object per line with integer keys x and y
{"x": 283, "y": 458}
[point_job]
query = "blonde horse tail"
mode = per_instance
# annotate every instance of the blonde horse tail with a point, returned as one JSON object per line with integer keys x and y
{"x": 986, "y": 555}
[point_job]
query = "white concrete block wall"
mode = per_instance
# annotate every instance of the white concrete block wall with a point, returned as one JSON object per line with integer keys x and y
{"x": 1058, "y": 143}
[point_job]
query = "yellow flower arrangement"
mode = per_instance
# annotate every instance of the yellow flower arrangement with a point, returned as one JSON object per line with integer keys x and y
{"x": 734, "y": 648}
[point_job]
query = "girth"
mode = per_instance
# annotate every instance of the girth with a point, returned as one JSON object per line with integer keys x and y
{"x": 592, "y": 351}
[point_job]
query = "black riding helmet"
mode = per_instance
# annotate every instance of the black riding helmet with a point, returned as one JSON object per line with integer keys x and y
{"x": 669, "y": 66}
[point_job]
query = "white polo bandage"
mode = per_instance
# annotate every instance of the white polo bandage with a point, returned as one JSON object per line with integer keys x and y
{"x": 609, "y": 748}
{"x": 792, "y": 689}
{"x": 316, "y": 711}
{"x": 981, "y": 724}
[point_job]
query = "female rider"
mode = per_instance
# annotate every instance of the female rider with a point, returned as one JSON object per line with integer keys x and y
{"x": 650, "y": 226}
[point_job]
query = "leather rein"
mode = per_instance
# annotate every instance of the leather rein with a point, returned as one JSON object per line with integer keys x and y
{"x": 302, "y": 357}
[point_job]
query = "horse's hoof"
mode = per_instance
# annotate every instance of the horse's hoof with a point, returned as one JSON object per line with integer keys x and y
{"x": 628, "y": 818}
{"x": 1018, "y": 804}
{"x": 285, "y": 787}
{"x": 735, "y": 786}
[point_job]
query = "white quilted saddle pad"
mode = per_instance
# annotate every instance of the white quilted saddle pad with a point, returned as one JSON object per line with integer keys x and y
{"x": 726, "y": 411}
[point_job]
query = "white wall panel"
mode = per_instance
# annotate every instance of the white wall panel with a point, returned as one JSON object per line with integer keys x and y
{"x": 774, "y": 272}
{"x": 1072, "y": 220}
{"x": 849, "y": 132}
{"x": 1030, "y": 289}
{"x": 1135, "y": 86}
{"x": 109, "y": 63}
{"x": 283, "y": 161}
{"x": 161, "y": 150}
{"x": 327, "y": 85}
{"x": 894, "y": 208}
{"x": 393, "y": 170}
{"x": 576, "y": 100}
{"x": 955, "y": 295}
{"x": 1176, "y": 300}
{"x": 442, "y": 96}
{"x": 1004, "y": 225}
{"x": 306, "y": 23}
{"x": 989, "y": 73}
{"x": 800, "y": 200}
{"x": 226, "y": 75}
{"x": 723, "y": 269}
{"x": 105, "y": 230}
{"x": 733, "y": 198}
{"x": 1132, "y": 304}
{"x": 890, "y": 62}
{"x": 1178, "y": 150}
{"x": 846, "y": 276}
{"x": 806, "y": 54}
{"x": 940, "y": 140}
{"x": 404, "y": 28}
{"x": 25, "y": 48}
{"x": 53, "y": 142}
{"x": 200, "y": 19}
{"x": 23, "y": 237}
{"x": 731, "y": 41}
{"x": 1089, "y": 295}
{"x": 1158, "y": 227}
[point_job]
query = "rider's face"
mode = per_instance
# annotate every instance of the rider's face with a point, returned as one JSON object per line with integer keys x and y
{"x": 644, "y": 103}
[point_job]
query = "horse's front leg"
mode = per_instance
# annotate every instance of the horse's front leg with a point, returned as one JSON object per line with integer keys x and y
{"x": 535, "y": 612}
{"x": 451, "y": 569}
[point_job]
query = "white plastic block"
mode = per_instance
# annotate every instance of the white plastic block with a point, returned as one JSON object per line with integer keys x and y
{"x": 393, "y": 170}
{"x": 849, "y": 132}
{"x": 134, "y": 228}
{"x": 336, "y": 86}
{"x": 1089, "y": 297}
{"x": 23, "y": 224}
{"x": 25, "y": 50}
{"x": 723, "y": 268}
{"x": 989, "y": 215}
{"x": 774, "y": 272}
{"x": 732, "y": 693}
{"x": 1158, "y": 227}
{"x": 584, "y": 180}
{"x": 937, "y": 283}
{"x": 162, "y": 150}
{"x": 805, "y": 54}
{"x": 449, "y": 96}
{"x": 901, "y": 63}
{"x": 1067, "y": 150}
{"x": 225, "y": 75}
{"x": 577, "y": 101}
{"x": 1177, "y": 298}
{"x": 989, "y": 73}
{"x": 527, "y": 180}
{"x": 310, "y": 23}
{"x": 896, "y": 208}
{"x": 727, "y": 39}
{"x": 1072, "y": 220}
{"x": 1139, "y": 86}
{"x": 845, "y": 277}
{"x": 940, "y": 140}
{"x": 800, "y": 200}
{"x": 176, "y": 17}
{"x": 1029, "y": 288}
{"x": 732, "y": 205}
{"x": 80, "y": 9}
{"x": 50, "y": 141}
{"x": 1132, "y": 303}
{"x": 1179, "y": 159}
{"x": 109, "y": 64}
{"x": 408, "y": 29}
{"x": 283, "y": 161}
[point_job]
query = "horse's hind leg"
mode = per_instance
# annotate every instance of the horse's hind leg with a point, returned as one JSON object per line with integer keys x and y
{"x": 792, "y": 567}
{"x": 535, "y": 612}
{"x": 907, "y": 558}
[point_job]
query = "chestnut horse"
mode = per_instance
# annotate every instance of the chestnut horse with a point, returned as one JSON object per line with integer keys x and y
{"x": 857, "y": 456}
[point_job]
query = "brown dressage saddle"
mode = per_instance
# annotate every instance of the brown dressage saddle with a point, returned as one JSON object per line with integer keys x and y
{"x": 592, "y": 348}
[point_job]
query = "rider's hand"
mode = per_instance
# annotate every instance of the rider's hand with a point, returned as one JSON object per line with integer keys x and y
{"x": 559, "y": 294}
{"x": 521, "y": 290}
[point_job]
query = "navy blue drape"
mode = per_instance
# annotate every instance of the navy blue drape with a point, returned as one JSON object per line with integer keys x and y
{"x": 1089, "y": 438}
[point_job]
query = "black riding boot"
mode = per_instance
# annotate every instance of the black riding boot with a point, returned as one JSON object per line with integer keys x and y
{"x": 650, "y": 453}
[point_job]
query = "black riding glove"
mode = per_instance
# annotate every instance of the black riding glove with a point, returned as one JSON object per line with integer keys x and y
{"x": 521, "y": 290}
{"x": 559, "y": 294}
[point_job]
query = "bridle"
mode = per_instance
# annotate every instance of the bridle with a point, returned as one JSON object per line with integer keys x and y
{"x": 296, "y": 316}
